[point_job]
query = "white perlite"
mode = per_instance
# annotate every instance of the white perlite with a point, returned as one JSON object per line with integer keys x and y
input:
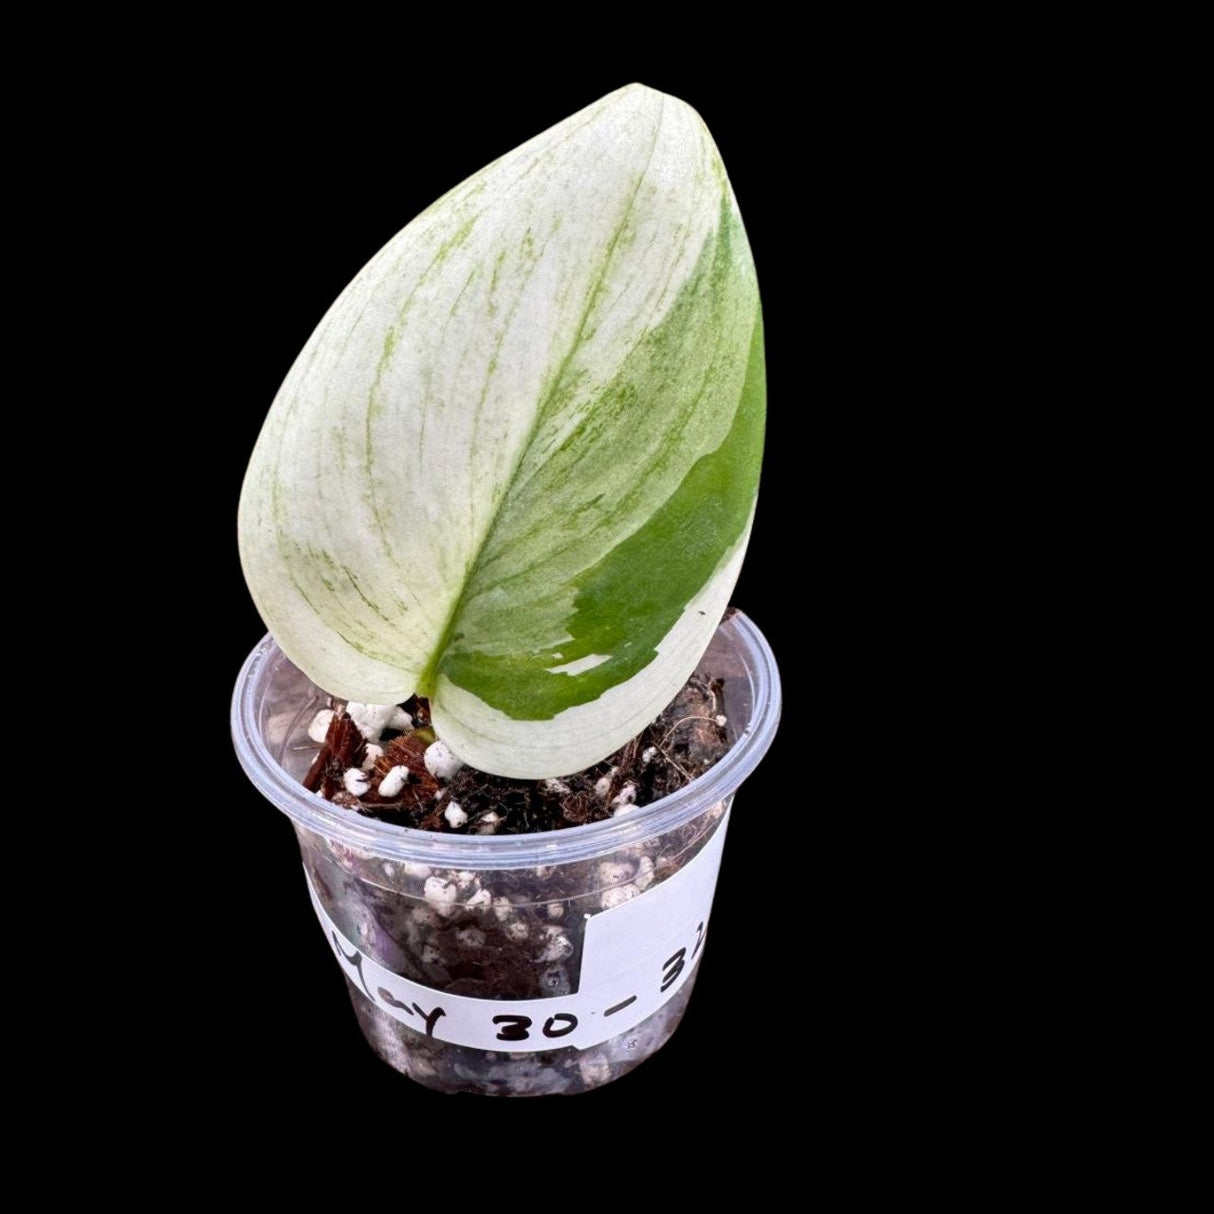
{"x": 394, "y": 781}
{"x": 320, "y": 725}
{"x": 556, "y": 945}
{"x": 440, "y": 762}
{"x": 618, "y": 895}
{"x": 369, "y": 719}
{"x": 372, "y": 719}
{"x": 644, "y": 878}
{"x": 594, "y": 1070}
{"x": 626, "y": 797}
{"x": 440, "y": 892}
{"x": 455, "y": 815}
{"x": 356, "y": 781}
{"x": 615, "y": 872}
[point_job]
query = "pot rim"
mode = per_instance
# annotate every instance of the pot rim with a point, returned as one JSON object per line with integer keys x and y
{"x": 477, "y": 852}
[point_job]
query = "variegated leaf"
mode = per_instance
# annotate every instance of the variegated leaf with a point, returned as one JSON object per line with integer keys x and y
{"x": 514, "y": 468}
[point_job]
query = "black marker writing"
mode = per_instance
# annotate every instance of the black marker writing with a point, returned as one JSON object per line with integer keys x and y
{"x": 699, "y": 940}
{"x": 355, "y": 962}
{"x": 429, "y": 1017}
{"x": 516, "y": 1027}
{"x": 677, "y": 963}
{"x": 571, "y": 1024}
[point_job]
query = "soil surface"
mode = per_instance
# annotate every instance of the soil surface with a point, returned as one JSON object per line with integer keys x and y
{"x": 687, "y": 739}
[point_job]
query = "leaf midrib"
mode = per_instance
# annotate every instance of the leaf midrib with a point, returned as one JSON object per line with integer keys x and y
{"x": 427, "y": 679}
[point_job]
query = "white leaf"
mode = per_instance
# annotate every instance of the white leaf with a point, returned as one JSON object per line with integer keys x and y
{"x": 514, "y": 468}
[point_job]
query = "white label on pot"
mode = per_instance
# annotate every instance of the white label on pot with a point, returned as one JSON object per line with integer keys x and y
{"x": 635, "y": 957}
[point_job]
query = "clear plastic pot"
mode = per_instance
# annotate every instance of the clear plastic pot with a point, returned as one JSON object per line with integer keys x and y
{"x": 513, "y": 964}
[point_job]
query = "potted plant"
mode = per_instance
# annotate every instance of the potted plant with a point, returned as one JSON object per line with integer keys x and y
{"x": 509, "y": 483}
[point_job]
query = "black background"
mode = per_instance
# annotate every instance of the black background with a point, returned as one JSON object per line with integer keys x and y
{"x": 873, "y": 1005}
{"x": 278, "y": 199}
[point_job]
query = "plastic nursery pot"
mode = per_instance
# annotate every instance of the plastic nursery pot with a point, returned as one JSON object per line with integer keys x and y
{"x": 580, "y": 945}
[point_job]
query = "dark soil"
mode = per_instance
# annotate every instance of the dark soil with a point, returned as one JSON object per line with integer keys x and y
{"x": 687, "y": 739}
